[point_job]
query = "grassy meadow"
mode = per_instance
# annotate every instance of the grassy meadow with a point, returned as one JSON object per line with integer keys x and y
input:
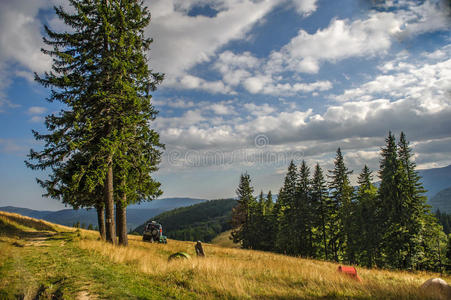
{"x": 40, "y": 260}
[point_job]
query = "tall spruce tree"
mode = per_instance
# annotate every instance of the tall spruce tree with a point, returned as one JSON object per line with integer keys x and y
{"x": 288, "y": 237}
{"x": 322, "y": 209}
{"x": 415, "y": 200}
{"x": 341, "y": 223}
{"x": 100, "y": 73}
{"x": 304, "y": 213}
{"x": 402, "y": 222}
{"x": 393, "y": 242}
{"x": 242, "y": 212}
{"x": 366, "y": 223}
{"x": 426, "y": 239}
{"x": 270, "y": 227}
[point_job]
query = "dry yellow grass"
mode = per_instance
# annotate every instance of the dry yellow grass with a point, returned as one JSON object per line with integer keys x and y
{"x": 236, "y": 273}
{"x": 254, "y": 274}
{"x": 224, "y": 240}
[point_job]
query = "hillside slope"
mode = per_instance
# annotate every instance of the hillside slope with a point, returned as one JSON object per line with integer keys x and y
{"x": 40, "y": 260}
{"x": 202, "y": 221}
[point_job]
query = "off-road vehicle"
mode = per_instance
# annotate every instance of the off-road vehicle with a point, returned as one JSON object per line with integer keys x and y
{"x": 153, "y": 232}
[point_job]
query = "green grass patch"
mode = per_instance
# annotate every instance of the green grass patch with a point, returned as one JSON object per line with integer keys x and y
{"x": 61, "y": 270}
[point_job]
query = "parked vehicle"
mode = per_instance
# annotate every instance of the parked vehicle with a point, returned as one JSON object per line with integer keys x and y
{"x": 153, "y": 232}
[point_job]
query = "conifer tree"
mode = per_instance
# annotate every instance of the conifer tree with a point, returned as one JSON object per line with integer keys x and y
{"x": 366, "y": 226}
{"x": 341, "y": 196}
{"x": 426, "y": 236}
{"x": 100, "y": 73}
{"x": 416, "y": 201}
{"x": 402, "y": 222}
{"x": 241, "y": 214}
{"x": 269, "y": 202}
{"x": 288, "y": 235}
{"x": 270, "y": 226}
{"x": 304, "y": 211}
{"x": 393, "y": 241}
{"x": 321, "y": 208}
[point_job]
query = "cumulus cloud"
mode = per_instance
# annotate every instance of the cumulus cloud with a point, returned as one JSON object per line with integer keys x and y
{"x": 341, "y": 39}
{"x": 182, "y": 41}
{"x": 36, "y": 110}
{"x": 305, "y": 7}
{"x": 368, "y": 36}
{"x": 222, "y": 109}
{"x": 246, "y": 70}
{"x": 410, "y": 96}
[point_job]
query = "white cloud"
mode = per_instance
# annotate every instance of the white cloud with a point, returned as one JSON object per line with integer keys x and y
{"x": 182, "y": 41}
{"x": 340, "y": 40}
{"x": 411, "y": 96}
{"x": 426, "y": 17}
{"x": 37, "y": 119}
{"x": 222, "y": 109}
{"x": 197, "y": 83}
{"x": 305, "y": 7}
{"x": 429, "y": 82}
{"x": 36, "y": 110}
{"x": 259, "y": 110}
{"x": 21, "y": 38}
{"x": 11, "y": 146}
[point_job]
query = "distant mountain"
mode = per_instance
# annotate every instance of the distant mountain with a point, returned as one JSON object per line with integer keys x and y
{"x": 435, "y": 180}
{"x": 136, "y": 214}
{"x": 442, "y": 201}
{"x": 167, "y": 203}
{"x": 202, "y": 221}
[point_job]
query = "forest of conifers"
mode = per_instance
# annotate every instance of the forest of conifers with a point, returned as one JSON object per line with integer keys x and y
{"x": 323, "y": 216}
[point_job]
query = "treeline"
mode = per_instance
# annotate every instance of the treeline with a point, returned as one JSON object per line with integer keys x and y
{"x": 199, "y": 222}
{"x": 323, "y": 216}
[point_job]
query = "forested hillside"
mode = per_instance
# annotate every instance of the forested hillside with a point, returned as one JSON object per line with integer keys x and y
{"x": 202, "y": 221}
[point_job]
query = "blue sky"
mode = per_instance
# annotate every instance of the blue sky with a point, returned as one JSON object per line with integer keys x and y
{"x": 251, "y": 85}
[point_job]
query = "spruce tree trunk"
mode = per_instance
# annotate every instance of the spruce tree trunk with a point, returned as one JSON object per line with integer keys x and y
{"x": 121, "y": 221}
{"x": 109, "y": 205}
{"x": 101, "y": 220}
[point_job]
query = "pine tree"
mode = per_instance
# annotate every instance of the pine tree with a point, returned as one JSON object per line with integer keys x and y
{"x": 402, "y": 205}
{"x": 304, "y": 211}
{"x": 288, "y": 238}
{"x": 270, "y": 227}
{"x": 321, "y": 208}
{"x": 392, "y": 226}
{"x": 366, "y": 232}
{"x": 416, "y": 201}
{"x": 241, "y": 214}
{"x": 341, "y": 195}
{"x": 100, "y": 73}
{"x": 269, "y": 203}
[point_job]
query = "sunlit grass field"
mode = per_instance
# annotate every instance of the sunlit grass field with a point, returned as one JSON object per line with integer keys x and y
{"x": 47, "y": 260}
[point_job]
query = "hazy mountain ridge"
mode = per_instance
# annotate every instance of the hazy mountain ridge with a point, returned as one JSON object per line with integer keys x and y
{"x": 136, "y": 214}
{"x": 435, "y": 180}
{"x": 442, "y": 201}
